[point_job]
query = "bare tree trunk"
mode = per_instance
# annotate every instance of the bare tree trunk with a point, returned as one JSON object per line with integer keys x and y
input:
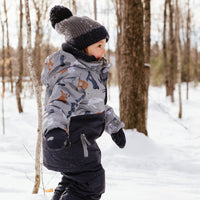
{"x": 95, "y": 9}
{"x": 47, "y": 43}
{"x": 38, "y": 91}
{"x": 147, "y": 50}
{"x": 8, "y": 48}
{"x": 47, "y": 32}
{"x": 41, "y": 8}
{"x": 20, "y": 61}
{"x": 196, "y": 66}
{"x": 132, "y": 96}
{"x": 118, "y": 8}
{"x": 3, "y": 75}
{"x": 2, "y": 112}
{"x": 38, "y": 40}
{"x": 110, "y": 75}
{"x": 188, "y": 51}
{"x": 108, "y": 22}
{"x": 166, "y": 68}
{"x": 172, "y": 42}
{"x": 74, "y": 7}
{"x": 3, "y": 57}
{"x": 178, "y": 46}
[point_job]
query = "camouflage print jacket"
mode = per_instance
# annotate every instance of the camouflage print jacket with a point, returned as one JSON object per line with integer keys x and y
{"x": 75, "y": 87}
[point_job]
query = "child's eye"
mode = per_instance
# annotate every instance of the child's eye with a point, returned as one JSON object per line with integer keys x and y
{"x": 100, "y": 46}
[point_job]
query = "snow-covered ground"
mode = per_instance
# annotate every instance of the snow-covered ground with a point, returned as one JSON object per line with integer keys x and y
{"x": 163, "y": 166}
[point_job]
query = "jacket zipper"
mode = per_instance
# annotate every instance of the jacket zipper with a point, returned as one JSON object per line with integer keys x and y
{"x": 85, "y": 144}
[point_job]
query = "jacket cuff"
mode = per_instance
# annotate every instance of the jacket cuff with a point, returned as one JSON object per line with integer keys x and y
{"x": 49, "y": 128}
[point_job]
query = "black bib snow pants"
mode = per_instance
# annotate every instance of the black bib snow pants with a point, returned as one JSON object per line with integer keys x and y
{"x": 80, "y": 164}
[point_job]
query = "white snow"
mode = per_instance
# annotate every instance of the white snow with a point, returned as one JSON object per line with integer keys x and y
{"x": 163, "y": 166}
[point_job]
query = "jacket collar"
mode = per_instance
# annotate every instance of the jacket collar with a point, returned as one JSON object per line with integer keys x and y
{"x": 88, "y": 61}
{"x": 77, "y": 53}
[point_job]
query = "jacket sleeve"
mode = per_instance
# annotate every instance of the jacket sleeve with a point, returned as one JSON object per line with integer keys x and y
{"x": 112, "y": 122}
{"x": 65, "y": 97}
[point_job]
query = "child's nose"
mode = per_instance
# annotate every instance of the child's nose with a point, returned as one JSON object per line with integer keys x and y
{"x": 104, "y": 52}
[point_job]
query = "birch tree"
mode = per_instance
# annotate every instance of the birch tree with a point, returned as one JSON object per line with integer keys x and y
{"x": 38, "y": 91}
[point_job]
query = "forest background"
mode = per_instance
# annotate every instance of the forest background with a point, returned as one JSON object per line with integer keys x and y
{"x": 171, "y": 43}
{"x": 106, "y": 14}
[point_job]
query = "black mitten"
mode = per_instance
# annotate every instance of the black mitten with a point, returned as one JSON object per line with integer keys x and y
{"x": 57, "y": 138}
{"x": 119, "y": 138}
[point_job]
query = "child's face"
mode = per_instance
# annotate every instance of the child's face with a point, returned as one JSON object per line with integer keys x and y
{"x": 97, "y": 49}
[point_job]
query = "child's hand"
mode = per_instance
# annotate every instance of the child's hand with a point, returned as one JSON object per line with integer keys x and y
{"x": 57, "y": 138}
{"x": 119, "y": 138}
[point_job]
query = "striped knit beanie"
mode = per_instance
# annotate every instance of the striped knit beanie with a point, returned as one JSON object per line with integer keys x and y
{"x": 80, "y": 32}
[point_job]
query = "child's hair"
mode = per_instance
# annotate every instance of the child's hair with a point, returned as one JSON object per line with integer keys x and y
{"x": 80, "y": 32}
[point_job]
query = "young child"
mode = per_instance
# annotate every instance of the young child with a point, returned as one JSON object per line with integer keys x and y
{"x": 76, "y": 112}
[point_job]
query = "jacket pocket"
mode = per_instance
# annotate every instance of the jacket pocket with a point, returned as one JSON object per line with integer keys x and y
{"x": 85, "y": 144}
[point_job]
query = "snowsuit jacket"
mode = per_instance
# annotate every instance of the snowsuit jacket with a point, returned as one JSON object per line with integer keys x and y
{"x": 75, "y": 101}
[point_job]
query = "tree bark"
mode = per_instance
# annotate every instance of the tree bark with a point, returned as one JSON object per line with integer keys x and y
{"x": 74, "y": 7}
{"x": 118, "y": 8}
{"x": 95, "y": 9}
{"x": 166, "y": 68}
{"x": 188, "y": 52}
{"x": 20, "y": 61}
{"x": 172, "y": 44}
{"x": 178, "y": 46}
{"x": 8, "y": 48}
{"x": 196, "y": 66}
{"x": 147, "y": 51}
{"x": 3, "y": 57}
{"x": 3, "y": 74}
{"x": 41, "y": 8}
{"x": 38, "y": 40}
{"x": 132, "y": 95}
{"x": 38, "y": 91}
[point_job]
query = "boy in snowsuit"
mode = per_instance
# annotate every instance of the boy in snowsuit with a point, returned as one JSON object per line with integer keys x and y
{"x": 76, "y": 113}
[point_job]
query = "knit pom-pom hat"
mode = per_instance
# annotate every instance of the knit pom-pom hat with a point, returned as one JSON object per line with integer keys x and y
{"x": 80, "y": 32}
